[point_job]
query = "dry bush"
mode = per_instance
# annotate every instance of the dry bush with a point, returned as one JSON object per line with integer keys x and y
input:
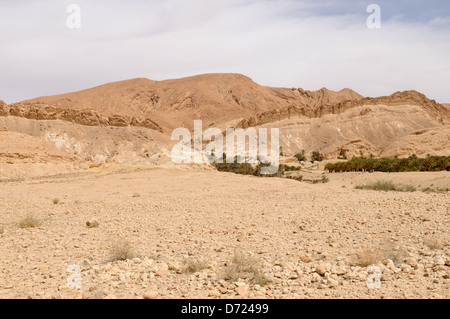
{"x": 433, "y": 243}
{"x": 192, "y": 265}
{"x": 93, "y": 224}
{"x": 387, "y": 186}
{"x": 379, "y": 186}
{"x": 436, "y": 190}
{"x": 244, "y": 267}
{"x": 55, "y": 201}
{"x": 372, "y": 255}
{"x": 122, "y": 250}
{"x": 2, "y": 229}
{"x": 367, "y": 256}
{"x": 29, "y": 222}
{"x": 406, "y": 188}
{"x": 259, "y": 278}
{"x": 394, "y": 252}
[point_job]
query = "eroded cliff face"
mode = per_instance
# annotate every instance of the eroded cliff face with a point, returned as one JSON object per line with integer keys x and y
{"x": 315, "y": 107}
{"x": 437, "y": 111}
{"x": 365, "y": 130}
{"x": 4, "y": 111}
{"x": 35, "y": 111}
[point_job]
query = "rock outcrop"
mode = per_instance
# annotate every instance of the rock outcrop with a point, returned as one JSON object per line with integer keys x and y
{"x": 4, "y": 110}
{"x": 315, "y": 107}
{"x": 83, "y": 117}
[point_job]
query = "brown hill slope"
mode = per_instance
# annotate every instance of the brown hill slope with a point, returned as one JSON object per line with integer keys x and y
{"x": 214, "y": 98}
{"x": 380, "y": 130}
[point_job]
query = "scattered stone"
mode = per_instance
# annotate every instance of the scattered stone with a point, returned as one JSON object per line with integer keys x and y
{"x": 321, "y": 269}
{"x": 223, "y": 290}
{"x": 86, "y": 265}
{"x": 305, "y": 259}
{"x": 439, "y": 261}
{"x": 151, "y": 295}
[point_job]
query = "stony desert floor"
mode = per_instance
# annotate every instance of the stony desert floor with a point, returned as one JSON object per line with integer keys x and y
{"x": 205, "y": 234}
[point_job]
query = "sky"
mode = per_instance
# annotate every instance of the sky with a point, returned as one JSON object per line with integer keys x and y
{"x": 282, "y": 43}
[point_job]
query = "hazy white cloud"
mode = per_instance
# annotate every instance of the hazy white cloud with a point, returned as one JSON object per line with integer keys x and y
{"x": 275, "y": 42}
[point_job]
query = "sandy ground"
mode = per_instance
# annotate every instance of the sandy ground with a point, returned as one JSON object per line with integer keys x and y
{"x": 303, "y": 238}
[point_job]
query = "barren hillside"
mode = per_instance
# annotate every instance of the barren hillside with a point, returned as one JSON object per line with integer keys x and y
{"x": 131, "y": 121}
{"x": 214, "y": 98}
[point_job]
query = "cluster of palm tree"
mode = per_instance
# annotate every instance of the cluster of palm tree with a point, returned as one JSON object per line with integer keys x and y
{"x": 409, "y": 164}
{"x": 248, "y": 169}
{"x": 315, "y": 156}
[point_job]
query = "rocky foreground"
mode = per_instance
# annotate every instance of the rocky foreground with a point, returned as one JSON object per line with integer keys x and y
{"x": 204, "y": 234}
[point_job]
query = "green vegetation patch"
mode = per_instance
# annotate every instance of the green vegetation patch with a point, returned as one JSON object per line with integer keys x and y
{"x": 387, "y": 186}
{"x": 409, "y": 164}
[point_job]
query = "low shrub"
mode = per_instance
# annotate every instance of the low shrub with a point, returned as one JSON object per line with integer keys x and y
{"x": 29, "y": 222}
{"x": 387, "y": 186}
{"x": 316, "y": 157}
{"x": 301, "y": 156}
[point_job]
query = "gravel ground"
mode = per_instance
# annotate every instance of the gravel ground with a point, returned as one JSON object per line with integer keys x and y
{"x": 205, "y": 234}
